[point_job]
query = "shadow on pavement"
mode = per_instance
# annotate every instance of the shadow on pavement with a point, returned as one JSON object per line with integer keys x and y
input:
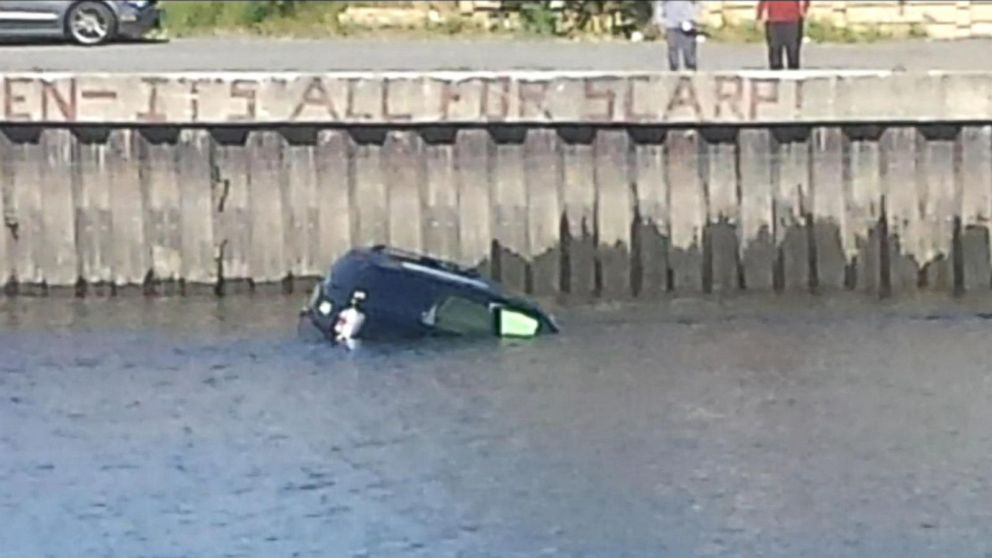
{"x": 26, "y": 42}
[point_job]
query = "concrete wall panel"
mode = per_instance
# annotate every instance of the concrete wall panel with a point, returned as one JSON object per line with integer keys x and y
{"x": 59, "y": 255}
{"x": 298, "y": 193}
{"x": 649, "y": 246}
{"x": 901, "y": 192}
{"x": 688, "y": 210}
{"x": 231, "y": 187}
{"x": 267, "y": 245}
{"x": 509, "y": 197}
{"x": 369, "y": 190}
{"x": 579, "y": 198}
{"x": 336, "y": 225}
{"x": 440, "y": 197}
{"x": 544, "y": 188}
{"x": 6, "y": 216}
{"x": 472, "y": 159}
{"x": 791, "y": 173}
{"x": 94, "y": 228}
{"x": 404, "y": 176}
{"x": 975, "y": 173}
{"x": 828, "y": 202}
{"x": 196, "y": 190}
{"x": 614, "y": 212}
{"x": 940, "y": 203}
{"x": 757, "y": 209}
{"x": 163, "y": 220}
{"x": 722, "y": 215}
{"x": 23, "y": 163}
{"x": 863, "y": 208}
{"x": 129, "y": 258}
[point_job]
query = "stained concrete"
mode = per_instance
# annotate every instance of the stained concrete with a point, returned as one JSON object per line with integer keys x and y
{"x": 648, "y": 237}
{"x": 558, "y": 184}
{"x": 827, "y": 215}
{"x": 511, "y": 98}
{"x": 578, "y": 219}
{"x": 580, "y": 211}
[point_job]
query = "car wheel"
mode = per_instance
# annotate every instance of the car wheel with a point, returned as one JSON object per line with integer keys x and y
{"x": 91, "y": 23}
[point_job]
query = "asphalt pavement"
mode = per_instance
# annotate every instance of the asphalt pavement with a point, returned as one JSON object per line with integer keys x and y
{"x": 255, "y": 54}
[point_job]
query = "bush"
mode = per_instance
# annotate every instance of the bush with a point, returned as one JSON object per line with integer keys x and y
{"x": 738, "y": 33}
{"x": 818, "y": 30}
{"x": 582, "y": 16}
{"x": 536, "y": 16}
{"x": 183, "y": 17}
{"x": 827, "y": 32}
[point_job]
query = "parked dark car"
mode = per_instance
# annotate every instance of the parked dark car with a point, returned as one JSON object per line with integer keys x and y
{"x": 85, "y": 22}
{"x": 401, "y": 295}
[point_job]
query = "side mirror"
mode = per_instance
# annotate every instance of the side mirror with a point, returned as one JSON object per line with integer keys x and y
{"x": 513, "y": 323}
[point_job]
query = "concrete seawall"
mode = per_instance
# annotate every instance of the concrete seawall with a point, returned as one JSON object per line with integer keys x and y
{"x": 586, "y": 184}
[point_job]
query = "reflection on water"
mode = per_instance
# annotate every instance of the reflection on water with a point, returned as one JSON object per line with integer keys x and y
{"x": 785, "y": 428}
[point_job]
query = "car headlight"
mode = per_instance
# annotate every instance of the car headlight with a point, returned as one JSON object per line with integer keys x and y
{"x": 137, "y": 4}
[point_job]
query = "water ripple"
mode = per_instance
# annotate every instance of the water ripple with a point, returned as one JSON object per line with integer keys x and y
{"x": 202, "y": 428}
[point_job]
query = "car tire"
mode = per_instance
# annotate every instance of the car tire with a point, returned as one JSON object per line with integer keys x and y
{"x": 91, "y": 23}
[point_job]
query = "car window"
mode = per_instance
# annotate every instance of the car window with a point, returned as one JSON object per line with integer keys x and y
{"x": 464, "y": 317}
{"x": 513, "y": 323}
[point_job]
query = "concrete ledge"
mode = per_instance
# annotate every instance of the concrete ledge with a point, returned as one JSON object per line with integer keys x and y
{"x": 546, "y": 97}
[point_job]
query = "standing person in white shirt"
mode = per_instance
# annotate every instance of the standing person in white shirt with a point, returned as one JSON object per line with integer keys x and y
{"x": 678, "y": 19}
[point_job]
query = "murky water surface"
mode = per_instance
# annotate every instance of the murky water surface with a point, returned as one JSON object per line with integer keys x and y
{"x": 203, "y": 428}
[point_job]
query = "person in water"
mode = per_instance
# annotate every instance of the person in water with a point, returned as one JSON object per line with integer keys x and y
{"x": 350, "y": 321}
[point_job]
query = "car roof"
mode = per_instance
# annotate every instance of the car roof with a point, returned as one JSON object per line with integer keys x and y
{"x": 434, "y": 268}
{"x": 446, "y": 272}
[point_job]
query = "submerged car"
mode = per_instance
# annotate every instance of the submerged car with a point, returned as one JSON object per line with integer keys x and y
{"x": 380, "y": 293}
{"x": 85, "y": 22}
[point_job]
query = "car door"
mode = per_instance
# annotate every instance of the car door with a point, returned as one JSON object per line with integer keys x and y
{"x": 32, "y": 17}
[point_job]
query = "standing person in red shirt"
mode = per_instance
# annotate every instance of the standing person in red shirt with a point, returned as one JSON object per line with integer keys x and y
{"x": 783, "y": 29}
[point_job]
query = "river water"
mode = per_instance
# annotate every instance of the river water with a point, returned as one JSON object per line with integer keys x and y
{"x": 780, "y": 427}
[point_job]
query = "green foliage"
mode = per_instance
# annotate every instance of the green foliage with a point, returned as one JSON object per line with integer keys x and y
{"x": 917, "y": 31}
{"x": 259, "y": 16}
{"x": 818, "y": 30}
{"x": 826, "y": 32}
{"x": 821, "y": 31}
{"x": 453, "y": 26}
{"x": 536, "y": 17}
{"x": 740, "y": 33}
{"x": 581, "y": 16}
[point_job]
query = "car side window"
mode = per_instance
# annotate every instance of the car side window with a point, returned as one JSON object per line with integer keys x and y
{"x": 463, "y": 317}
{"x": 514, "y": 323}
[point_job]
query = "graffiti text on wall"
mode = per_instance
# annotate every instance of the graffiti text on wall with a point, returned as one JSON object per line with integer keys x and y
{"x": 331, "y": 99}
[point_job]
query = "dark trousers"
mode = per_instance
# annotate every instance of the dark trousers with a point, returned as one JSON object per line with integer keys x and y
{"x": 787, "y": 37}
{"x": 680, "y": 45}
